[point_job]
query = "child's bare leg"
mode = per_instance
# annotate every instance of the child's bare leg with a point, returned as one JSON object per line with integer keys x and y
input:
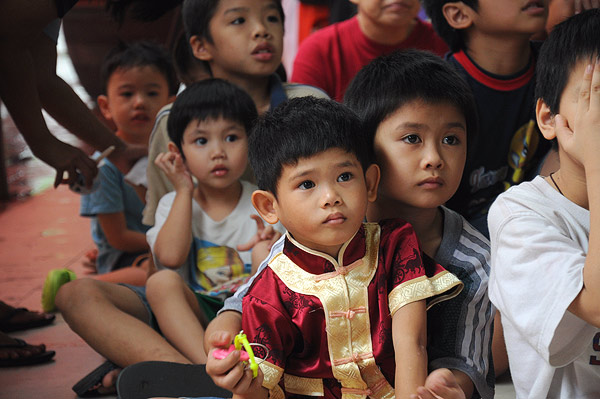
{"x": 178, "y": 313}
{"x": 112, "y": 319}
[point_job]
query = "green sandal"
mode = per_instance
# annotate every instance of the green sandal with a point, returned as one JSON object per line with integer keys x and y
{"x": 55, "y": 279}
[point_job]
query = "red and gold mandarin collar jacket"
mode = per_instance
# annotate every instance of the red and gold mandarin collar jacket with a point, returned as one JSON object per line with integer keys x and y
{"x": 328, "y": 322}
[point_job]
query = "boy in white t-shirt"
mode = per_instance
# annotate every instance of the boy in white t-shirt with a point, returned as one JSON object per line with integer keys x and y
{"x": 208, "y": 230}
{"x": 545, "y": 241}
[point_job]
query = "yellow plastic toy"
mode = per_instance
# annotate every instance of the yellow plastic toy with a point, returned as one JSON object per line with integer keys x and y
{"x": 241, "y": 340}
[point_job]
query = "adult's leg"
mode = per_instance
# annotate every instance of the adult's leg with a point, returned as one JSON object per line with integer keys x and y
{"x": 112, "y": 319}
{"x": 178, "y": 313}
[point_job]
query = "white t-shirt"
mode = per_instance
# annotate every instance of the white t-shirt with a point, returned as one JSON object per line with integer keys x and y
{"x": 214, "y": 243}
{"x": 539, "y": 242}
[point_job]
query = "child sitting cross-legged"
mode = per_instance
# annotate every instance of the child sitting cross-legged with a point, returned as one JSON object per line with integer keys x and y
{"x": 420, "y": 116}
{"x": 211, "y": 224}
{"x": 341, "y": 307}
{"x": 139, "y": 79}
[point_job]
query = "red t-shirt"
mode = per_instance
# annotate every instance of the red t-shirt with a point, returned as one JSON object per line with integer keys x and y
{"x": 330, "y": 57}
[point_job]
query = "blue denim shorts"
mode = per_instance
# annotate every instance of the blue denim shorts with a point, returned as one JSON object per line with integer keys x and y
{"x": 141, "y": 293}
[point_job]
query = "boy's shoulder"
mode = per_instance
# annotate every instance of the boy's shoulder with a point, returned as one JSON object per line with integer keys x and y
{"x": 460, "y": 238}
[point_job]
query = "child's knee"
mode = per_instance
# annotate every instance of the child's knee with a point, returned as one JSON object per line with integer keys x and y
{"x": 74, "y": 292}
{"x": 162, "y": 280}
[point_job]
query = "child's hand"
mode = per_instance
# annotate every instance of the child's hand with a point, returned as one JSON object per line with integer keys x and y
{"x": 268, "y": 234}
{"x": 441, "y": 383}
{"x": 172, "y": 165}
{"x": 229, "y": 373}
{"x": 582, "y": 139}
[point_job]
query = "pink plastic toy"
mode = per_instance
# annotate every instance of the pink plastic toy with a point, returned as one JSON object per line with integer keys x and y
{"x": 222, "y": 353}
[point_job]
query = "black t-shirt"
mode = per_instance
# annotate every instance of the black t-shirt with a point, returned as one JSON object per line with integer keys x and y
{"x": 509, "y": 146}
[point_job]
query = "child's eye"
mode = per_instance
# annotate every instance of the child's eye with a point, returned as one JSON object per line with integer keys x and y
{"x": 231, "y": 138}
{"x": 411, "y": 139}
{"x": 273, "y": 18}
{"x": 306, "y": 185}
{"x": 451, "y": 140}
{"x": 200, "y": 141}
{"x": 152, "y": 94}
{"x": 346, "y": 176}
{"x": 126, "y": 94}
{"x": 238, "y": 21}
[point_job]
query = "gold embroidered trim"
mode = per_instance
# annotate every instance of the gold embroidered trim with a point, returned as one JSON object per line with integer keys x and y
{"x": 422, "y": 288}
{"x": 447, "y": 283}
{"x": 276, "y": 393}
{"x": 272, "y": 374}
{"x": 303, "y": 386}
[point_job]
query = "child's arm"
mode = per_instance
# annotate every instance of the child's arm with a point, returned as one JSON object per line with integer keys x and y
{"x": 584, "y": 142}
{"x": 175, "y": 236}
{"x": 409, "y": 332}
{"x": 118, "y": 235}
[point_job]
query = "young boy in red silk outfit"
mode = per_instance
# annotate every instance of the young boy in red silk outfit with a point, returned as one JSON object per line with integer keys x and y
{"x": 342, "y": 308}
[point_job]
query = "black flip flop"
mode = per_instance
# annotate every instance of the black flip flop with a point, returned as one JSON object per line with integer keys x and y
{"x": 88, "y": 385}
{"x": 154, "y": 378}
{"x": 7, "y": 326}
{"x": 24, "y": 360}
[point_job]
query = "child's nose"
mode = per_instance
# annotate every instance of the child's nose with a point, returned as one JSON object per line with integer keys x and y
{"x": 432, "y": 159}
{"x": 261, "y": 30}
{"x": 331, "y": 197}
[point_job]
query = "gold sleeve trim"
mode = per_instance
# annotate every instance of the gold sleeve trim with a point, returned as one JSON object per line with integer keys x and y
{"x": 303, "y": 386}
{"x": 276, "y": 393}
{"x": 272, "y": 374}
{"x": 422, "y": 288}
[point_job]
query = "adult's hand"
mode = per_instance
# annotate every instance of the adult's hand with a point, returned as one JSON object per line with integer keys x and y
{"x": 66, "y": 158}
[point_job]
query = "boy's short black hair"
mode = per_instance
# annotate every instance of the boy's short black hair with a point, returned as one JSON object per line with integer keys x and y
{"x": 387, "y": 83}
{"x": 453, "y": 38}
{"x": 197, "y": 14}
{"x": 573, "y": 40}
{"x": 139, "y": 54}
{"x": 300, "y": 128}
{"x": 210, "y": 99}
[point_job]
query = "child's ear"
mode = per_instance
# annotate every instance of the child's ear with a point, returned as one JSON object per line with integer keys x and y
{"x": 458, "y": 15}
{"x": 372, "y": 176}
{"x": 264, "y": 203}
{"x": 103, "y": 106}
{"x": 545, "y": 119}
{"x": 172, "y": 147}
{"x": 200, "y": 49}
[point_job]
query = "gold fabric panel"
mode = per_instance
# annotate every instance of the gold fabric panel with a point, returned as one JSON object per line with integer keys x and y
{"x": 347, "y": 338}
{"x": 272, "y": 374}
{"x": 424, "y": 287}
{"x": 303, "y": 386}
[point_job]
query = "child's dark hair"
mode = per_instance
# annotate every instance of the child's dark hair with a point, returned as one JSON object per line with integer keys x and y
{"x": 573, "y": 40}
{"x": 387, "y": 83}
{"x": 210, "y": 99}
{"x": 453, "y": 38}
{"x": 300, "y": 128}
{"x": 197, "y": 14}
{"x": 140, "y": 54}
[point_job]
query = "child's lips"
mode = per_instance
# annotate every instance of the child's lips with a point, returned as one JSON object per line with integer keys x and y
{"x": 534, "y": 7}
{"x": 263, "y": 52}
{"x": 219, "y": 171}
{"x": 431, "y": 182}
{"x": 140, "y": 118}
{"x": 335, "y": 218}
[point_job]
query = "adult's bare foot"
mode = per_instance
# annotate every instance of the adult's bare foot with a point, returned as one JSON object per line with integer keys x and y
{"x": 17, "y": 319}
{"x": 16, "y": 352}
